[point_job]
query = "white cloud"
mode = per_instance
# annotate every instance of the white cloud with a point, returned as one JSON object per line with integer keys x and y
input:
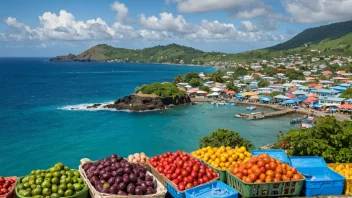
{"x": 256, "y": 12}
{"x": 122, "y": 11}
{"x": 249, "y": 27}
{"x": 304, "y": 11}
{"x": 166, "y": 22}
{"x": 194, "y": 6}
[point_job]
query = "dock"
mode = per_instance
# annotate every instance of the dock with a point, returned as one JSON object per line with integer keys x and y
{"x": 280, "y": 112}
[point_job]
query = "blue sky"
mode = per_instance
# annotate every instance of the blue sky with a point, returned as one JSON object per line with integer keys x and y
{"x": 45, "y": 28}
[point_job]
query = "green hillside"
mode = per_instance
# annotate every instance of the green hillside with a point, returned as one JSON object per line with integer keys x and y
{"x": 332, "y": 39}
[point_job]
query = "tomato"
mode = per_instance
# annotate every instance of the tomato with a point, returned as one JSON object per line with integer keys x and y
{"x": 262, "y": 177}
{"x": 190, "y": 178}
{"x": 270, "y": 173}
{"x": 202, "y": 171}
{"x": 189, "y": 185}
{"x": 289, "y": 174}
{"x": 179, "y": 163}
{"x": 195, "y": 183}
{"x": 174, "y": 176}
{"x": 268, "y": 179}
{"x": 252, "y": 176}
{"x": 239, "y": 175}
{"x": 188, "y": 169}
{"x": 181, "y": 186}
{"x": 160, "y": 169}
{"x": 267, "y": 167}
{"x": 200, "y": 181}
{"x": 214, "y": 174}
{"x": 194, "y": 174}
{"x": 205, "y": 178}
{"x": 196, "y": 167}
{"x": 179, "y": 177}
{"x": 169, "y": 176}
{"x": 176, "y": 181}
{"x": 184, "y": 173}
{"x": 186, "y": 180}
{"x": 245, "y": 172}
{"x": 273, "y": 166}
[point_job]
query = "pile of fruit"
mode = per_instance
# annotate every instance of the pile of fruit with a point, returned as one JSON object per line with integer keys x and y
{"x": 224, "y": 157}
{"x": 116, "y": 175}
{"x": 182, "y": 169}
{"x": 262, "y": 168}
{"x": 57, "y": 181}
{"x": 140, "y": 158}
{"x": 6, "y": 185}
{"x": 346, "y": 171}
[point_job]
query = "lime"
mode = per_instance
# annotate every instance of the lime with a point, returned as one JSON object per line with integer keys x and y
{"x": 55, "y": 180}
{"x": 25, "y": 180}
{"x": 33, "y": 172}
{"x": 54, "y": 188}
{"x": 57, "y": 174}
{"x": 37, "y": 172}
{"x": 68, "y": 192}
{"x": 66, "y": 168}
{"x": 69, "y": 186}
{"x": 26, "y": 193}
{"x": 77, "y": 187}
{"x": 38, "y": 196}
{"x": 20, "y": 186}
{"x": 80, "y": 180}
{"x": 74, "y": 179}
{"x": 61, "y": 192}
{"x": 36, "y": 191}
{"x": 21, "y": 192}
{"x": 68, "y": 179}
{"x": 54, "y": 195}
{"x": 39, "y": 181}
{"x": 46, "y": 192}
{"x": 46, "y": 184}
{"x": 33, "y": 186}
{"x": 26, "y": 185}
{"x": 63, "y": 172}
{"x": 62, "y": 181}
{"x": 52, "y": 169}
{"x": 42, "y": 174}
{"x": 63, "y": 177}
{"x": 31, "y": 181}
{"x": 32, "y": 177}
{"x": 48, "y": 175}
{"x": 63, "y": 187}
{"x": 60, "y": 165}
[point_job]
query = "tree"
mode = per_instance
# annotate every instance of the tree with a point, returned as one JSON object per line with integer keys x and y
{"x": 231, "y": 86}
{"x": 179, "y": 79}
{"x": 269, "y": 71}
{"x": 275, "y": 93}
{"x": 225, "y": 137}
{"x": 263, "y": 83}
{"x": 162, "y": 90}
{"x": 191, "y": 75}
{"x": 347, "y": 93}
{"x": 329, "y": 138}
{"x": 194, "y": 82}
{"x": 204, "y": 88}
{"x": 216, "y": 77}
{"x": 294, "y": 74}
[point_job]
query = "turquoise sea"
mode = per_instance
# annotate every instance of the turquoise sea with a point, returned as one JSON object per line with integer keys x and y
{"x": 38, "y": 129}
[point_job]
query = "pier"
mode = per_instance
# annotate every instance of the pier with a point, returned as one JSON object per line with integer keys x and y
{"x": 267, "y": 115}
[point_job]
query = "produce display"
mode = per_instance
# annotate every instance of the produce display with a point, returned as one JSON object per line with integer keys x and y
{"x": 6, "y": 185}
{"x": 262, "y": 168}
{"x": 224, "y": 157}
{"x": 57, "y": 181}
{"x": 140, "y": 158}
{"x": 116, "y": 175}
{"x": 346, "y": 171}
{"x": 182, "y": 169}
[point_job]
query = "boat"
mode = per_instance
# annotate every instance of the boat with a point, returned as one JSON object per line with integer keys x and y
{"x": 238, "y": 116}
{"x": 213, "y": 103}
{"x": 296, "y": 121}
{"x": 257, "y": 113}
{"x": 221, "y": 103}
{"x": 251, "y": 108}
{"x": 310, "y": 119}
{"x": 233, "y": 104}
{"x": 306, "y": 126}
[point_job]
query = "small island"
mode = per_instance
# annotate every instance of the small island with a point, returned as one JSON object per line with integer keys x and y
{"x": 156, "y": 96}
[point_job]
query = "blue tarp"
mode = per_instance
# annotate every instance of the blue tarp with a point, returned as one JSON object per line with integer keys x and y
{"x": 239, "y": 96}
{"x": 303, "y": 97}
{"x": 318, "y": 105}
{"x": 296, "y": 100}
{"x": 289, "y": 102}
{"x": 265, "y": 99}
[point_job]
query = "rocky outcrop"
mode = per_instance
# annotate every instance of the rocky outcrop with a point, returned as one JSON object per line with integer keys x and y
{"x": 136, "y": 102}
{"x": 69, "y": 57}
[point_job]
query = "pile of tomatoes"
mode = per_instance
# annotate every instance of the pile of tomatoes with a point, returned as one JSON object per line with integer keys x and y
{"x": 262, "y": 168}
{"x": 182, "y": 169}
{"x": 6, "y": 185}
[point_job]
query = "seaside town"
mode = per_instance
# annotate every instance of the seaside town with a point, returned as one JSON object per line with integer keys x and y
{"x": 321, "y": 84}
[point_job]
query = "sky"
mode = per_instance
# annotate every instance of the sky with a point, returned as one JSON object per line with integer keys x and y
{"x": 43, "y": 28}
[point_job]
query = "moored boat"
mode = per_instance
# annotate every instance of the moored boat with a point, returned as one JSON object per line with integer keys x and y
{"x": 296, "y": 121}
{"x": 251, "y": 108}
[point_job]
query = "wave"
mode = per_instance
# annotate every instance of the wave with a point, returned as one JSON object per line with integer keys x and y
{"x": 83, "y": 107}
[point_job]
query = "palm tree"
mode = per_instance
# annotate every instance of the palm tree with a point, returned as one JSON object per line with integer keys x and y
{"x": 215, "y": 76}
{"x": 178, "y": 79}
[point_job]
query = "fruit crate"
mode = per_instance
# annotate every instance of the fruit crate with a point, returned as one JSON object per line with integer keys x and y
{"x": 82, "y": 194}
{"x": 275, "y": 153}
{"x": 320, "y": 180}
{"x": 10, "y": 194}
{"x": 172, "y": 188}
{"x": 156, "y": 174}
{"x": 213, "y": 190}
{"x": 348, "y": 182}
{"x": 270, "y": 189}
{"x": 161, "y": 191}
{"x": 222, "y": 173}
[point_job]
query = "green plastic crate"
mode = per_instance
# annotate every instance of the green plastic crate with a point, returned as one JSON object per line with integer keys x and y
{"x": 272, "y": 189}
{"x": 222, "y": 173}
{"x": 82, "y": 194}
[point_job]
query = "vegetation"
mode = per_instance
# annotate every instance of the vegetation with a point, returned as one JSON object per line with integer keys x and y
{"x": 194, "y": 82}
{"x": 294, "y": 74}
{"x": 204, "y": 88}
{"x": 330, "y": 138}
{"x": 232, "y": 87}
{"x": 347, "y": 93}
{"x": 179, "y": 79}
{"x": 263, "y": 83}
{"x": 224, "y": 137}
{"x": 216, "y": 77}
{"x": 276, "y": 93}
{"x": 162, "y": 90}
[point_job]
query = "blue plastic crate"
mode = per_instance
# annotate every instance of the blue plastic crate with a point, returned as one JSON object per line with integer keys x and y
{"x": 217, "y": 189}
{"x": 174, "y": 192}
{"x": 320, "y": 180}
{"x": 276, "y": 153}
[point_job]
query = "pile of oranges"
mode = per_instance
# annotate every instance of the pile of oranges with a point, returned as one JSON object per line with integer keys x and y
{"x": 264, "y": 169}
{"x": 223, "y": 157}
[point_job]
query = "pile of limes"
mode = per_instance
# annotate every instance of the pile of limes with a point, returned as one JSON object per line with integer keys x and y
{"x": 223, "y": 157}
{"x": 57, "y": 181}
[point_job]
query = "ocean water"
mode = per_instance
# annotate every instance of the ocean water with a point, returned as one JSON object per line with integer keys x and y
{"x": 38, "y": 129}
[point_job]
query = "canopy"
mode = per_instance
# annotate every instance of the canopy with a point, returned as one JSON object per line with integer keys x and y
{"x": 282, "y": 97}
{"x": 201, "y": 92}
{"x": 215, "y": 89}
{"x": 290, "y": 95}
{"x": 318, "y": 105}
{"x": 265, "y": 99}
{"x": 296, "y": 100}
{"x": 239, "y": 96}
{"x": 302, "y": 97}
{"x": 188, "y": 86}
{"x": 213, "y": 94}
{"x": 224, "y": 90}
{"x": 248, "y": 94}
{"x": 299, "y": 92}
{"x": 289, "y": 102}
{"x": 255, "y": 97}
{"x": 230, "y": 92}
{"x": 346, "y": 106}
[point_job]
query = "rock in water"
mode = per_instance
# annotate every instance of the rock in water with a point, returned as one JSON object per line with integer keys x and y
{"x": 136, "y": 102}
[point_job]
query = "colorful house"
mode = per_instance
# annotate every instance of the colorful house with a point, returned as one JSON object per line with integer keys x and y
{"x": 325, "y": 92}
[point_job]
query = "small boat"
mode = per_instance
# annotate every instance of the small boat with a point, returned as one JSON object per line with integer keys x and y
{"x": 296, "y": 121}
{"x": 221, "y": 103}
{"x": 306, "y": 126}
{"x": 238, "y": 116}
{"x": 310, "y": 119}
{"x": 213, "y": 103}
{"x": 257, "y": 113}
{"x": 233, "y": 104}
{"x": 251, "y": 108}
